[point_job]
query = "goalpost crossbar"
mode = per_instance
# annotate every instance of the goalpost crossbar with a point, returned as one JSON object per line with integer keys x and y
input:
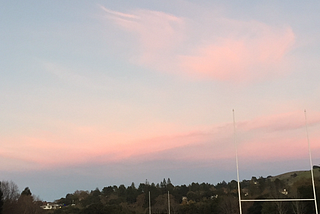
{"x": 283, "y": 199}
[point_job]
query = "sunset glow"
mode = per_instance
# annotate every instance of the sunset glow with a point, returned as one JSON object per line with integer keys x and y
{"x": 121, "y": 92}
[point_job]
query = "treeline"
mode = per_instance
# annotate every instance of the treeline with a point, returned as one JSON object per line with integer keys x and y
{"x": 195, "y": 198}
{"x": 14, "y": 202}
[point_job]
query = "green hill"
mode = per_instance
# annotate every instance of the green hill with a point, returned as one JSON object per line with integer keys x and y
{"x": 290, "y": 178}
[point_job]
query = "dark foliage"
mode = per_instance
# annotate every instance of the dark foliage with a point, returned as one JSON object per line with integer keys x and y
{"x": 196, "y": 198}
{"x": 26, "y": 192}
{"x": 1, "y": 200}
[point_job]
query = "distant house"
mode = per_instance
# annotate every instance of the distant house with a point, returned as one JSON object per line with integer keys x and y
{"x": 50, "y": 206}
{"x": 184, "y": 200}
{"x": 284, "y": 192}
{"x": 245, "y": 191}
{"x": 214, "y": 196}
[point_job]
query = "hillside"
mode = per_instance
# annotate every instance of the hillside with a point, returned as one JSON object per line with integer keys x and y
{"x": 195, "y": 198}
{"x": 297, "y": 176}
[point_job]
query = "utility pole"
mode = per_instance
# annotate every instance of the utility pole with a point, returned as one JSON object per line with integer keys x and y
{"x": 149, "y": 204}
{"x": 168, "y": 203}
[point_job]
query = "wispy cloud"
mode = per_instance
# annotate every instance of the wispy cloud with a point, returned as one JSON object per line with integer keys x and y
{"x": 260, "y": 139}
{"x": 279, "y": 122}
{"x": 118, "y": 14}
{"x": 77, "y": 76}
{"x": 224, "y": 49}
{"x": 158, "y": 34}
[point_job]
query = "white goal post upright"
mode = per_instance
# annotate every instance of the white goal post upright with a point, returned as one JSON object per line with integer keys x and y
{"x": 237, "y": 163}
{"x": 273, "y": 200}
{"x": 311, "y": 165}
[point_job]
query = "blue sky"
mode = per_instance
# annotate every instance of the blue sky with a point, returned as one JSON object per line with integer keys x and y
{"x": 97, "y": 93}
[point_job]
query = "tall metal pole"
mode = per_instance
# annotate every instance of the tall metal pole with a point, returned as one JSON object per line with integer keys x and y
{"x": 236, "y": 147}
{"x": 311, "y": 165}
{"x": 168, "y": 203}
{"x": 149, "y": 204}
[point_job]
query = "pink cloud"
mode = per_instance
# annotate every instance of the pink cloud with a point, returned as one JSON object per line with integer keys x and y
{"x": 275, "y": 136}
{"x": 279, "y": 122}
{"x": 241, "y": 58}
{"x": 274, "y": 148}
{"x": 234, "y": 51}
{"x": 78, "y": 144}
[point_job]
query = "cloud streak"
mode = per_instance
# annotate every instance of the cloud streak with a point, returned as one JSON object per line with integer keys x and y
{"x": 223, "y": 50}
{"x": 260, "y": 139}
{"x": 279, "y": 122}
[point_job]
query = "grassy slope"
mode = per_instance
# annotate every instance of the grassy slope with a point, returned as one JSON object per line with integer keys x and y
{"x": 290, "y": 178}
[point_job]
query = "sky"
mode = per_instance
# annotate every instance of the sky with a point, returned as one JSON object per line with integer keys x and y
{"x": 99, "y": 93}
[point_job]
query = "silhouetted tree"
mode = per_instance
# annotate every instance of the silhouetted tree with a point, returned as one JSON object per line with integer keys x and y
{"x": 27, "y": 204}
{"x": 169, "y": 181}
{"x": 11, "y": 194}
{"x": 131, "y": 193}
{"x": 107, "y": 190}
{"x": 26, "y": 192}
{"x": 269, "y": 208}
{"x": 255, "y": 208}
{"x": 122, "y": 191}
{"x": 1, "y": 199}
{"x": 163, "y": 186}
{"x": 229, "y": 205}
